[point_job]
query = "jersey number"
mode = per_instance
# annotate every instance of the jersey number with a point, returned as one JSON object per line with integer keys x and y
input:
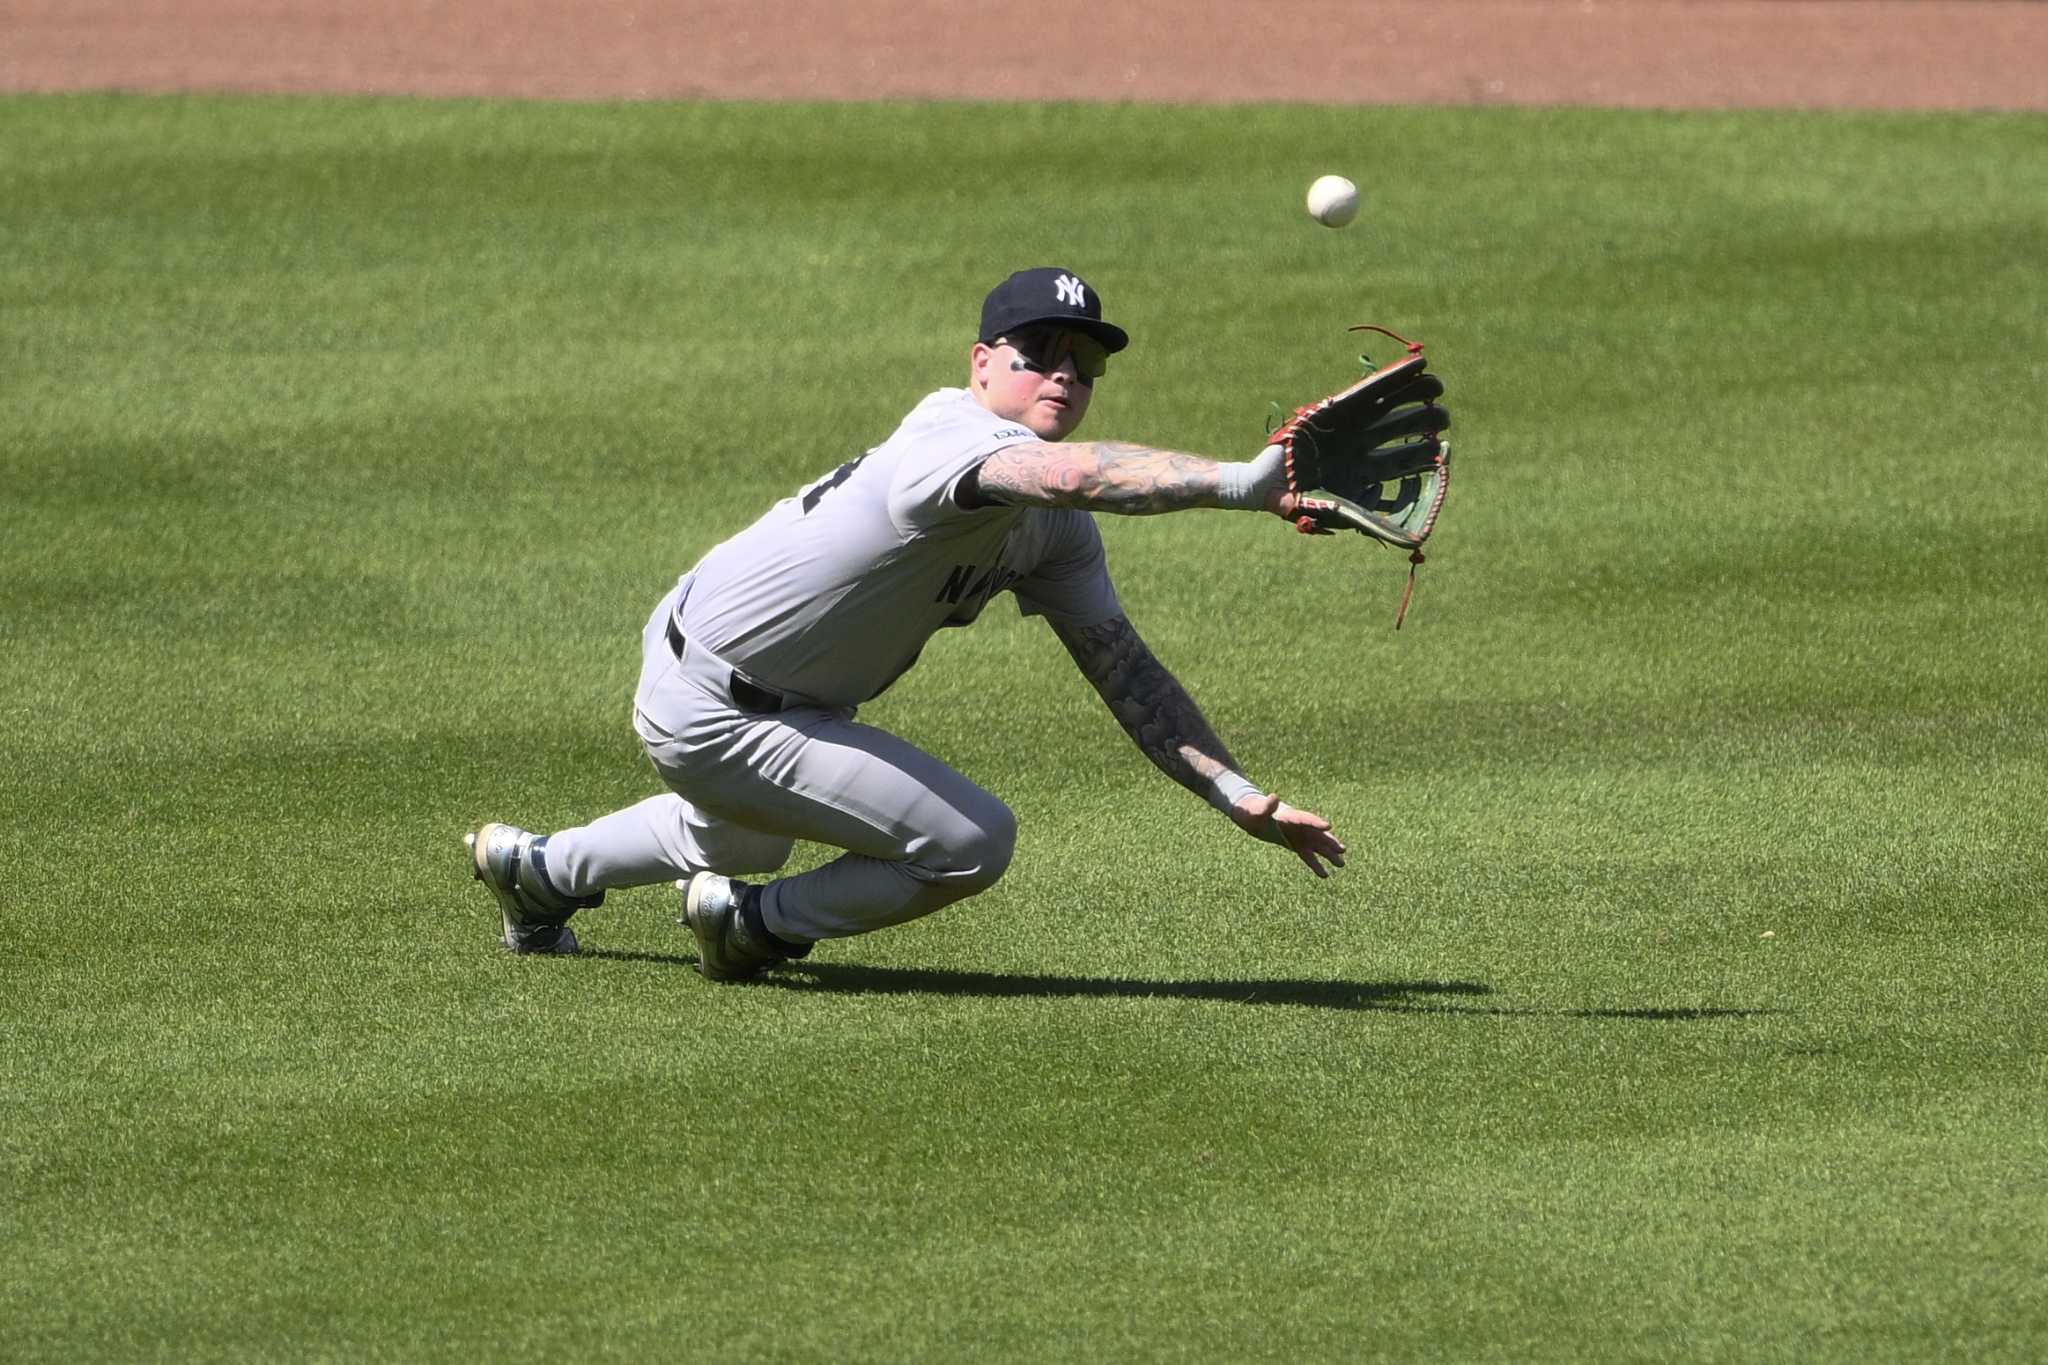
{"x": 816, "y": 492}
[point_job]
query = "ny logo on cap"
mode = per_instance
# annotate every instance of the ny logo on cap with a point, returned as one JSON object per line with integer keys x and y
{"x": 1070, "y": 290}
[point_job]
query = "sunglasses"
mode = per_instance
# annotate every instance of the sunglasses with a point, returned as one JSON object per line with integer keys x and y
{"x": 1042, "y": 351}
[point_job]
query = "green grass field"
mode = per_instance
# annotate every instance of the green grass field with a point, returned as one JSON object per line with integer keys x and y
{"x": 1682, "y": 1001}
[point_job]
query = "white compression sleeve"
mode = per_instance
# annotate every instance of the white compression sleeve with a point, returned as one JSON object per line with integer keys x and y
{"x": 1250, "y": 483}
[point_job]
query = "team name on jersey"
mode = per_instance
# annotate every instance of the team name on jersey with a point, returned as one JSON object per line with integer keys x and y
{"x": 962, "y": 586}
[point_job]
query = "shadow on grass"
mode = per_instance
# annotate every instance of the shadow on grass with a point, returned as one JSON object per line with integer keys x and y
{"x": 1407, "y": 997}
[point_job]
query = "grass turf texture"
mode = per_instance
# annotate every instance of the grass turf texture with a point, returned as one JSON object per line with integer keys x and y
{"x": 1681, "y": 1001}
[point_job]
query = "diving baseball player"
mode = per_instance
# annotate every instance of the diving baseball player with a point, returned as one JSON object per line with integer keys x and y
{"x": 754, "y": 662}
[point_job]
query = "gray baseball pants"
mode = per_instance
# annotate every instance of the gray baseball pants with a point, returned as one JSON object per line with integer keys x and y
{"x": 744, "y": 787}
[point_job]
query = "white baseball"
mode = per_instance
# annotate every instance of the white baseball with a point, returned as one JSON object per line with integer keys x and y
{"x": 1332, "y": 201}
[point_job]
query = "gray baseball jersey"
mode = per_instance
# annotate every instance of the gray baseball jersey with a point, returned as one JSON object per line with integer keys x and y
{"x": 834, "y": 591}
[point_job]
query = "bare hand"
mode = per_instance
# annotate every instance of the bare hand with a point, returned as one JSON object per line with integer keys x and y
{"x": 1306, "y": 833}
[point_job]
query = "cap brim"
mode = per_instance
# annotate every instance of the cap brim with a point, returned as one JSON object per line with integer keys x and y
{"x": 1109, "y": 334}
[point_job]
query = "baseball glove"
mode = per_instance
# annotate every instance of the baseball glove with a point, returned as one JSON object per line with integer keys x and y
{"x": 1371, "y": 458}
{"x": 1373, "y": 452}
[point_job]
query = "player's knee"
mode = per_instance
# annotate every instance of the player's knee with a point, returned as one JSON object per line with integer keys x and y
{"x": 996, "y": 848}
{"x": 980, "y": 859}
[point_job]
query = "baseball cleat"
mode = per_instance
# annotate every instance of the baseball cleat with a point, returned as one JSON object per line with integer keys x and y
{"x": 536, "y": 915}
{"x": 727, "y": 950}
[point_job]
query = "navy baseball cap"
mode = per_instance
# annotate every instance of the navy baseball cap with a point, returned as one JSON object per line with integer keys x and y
{"x": 1048, "y": 294}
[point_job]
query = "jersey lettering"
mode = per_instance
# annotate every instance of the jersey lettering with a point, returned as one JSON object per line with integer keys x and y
{"x": 817, "y": 491}
{"x": 955, "y": 586}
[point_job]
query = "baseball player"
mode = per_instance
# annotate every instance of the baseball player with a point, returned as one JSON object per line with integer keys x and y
{"x": 754, "y": 663}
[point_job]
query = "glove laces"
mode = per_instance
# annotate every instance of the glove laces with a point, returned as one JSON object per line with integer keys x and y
{"x": 1408, "y": 590}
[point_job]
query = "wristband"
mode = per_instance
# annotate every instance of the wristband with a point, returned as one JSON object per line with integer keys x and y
{"x": 1229, "y": 788}
{"x": 1247, "y": 485}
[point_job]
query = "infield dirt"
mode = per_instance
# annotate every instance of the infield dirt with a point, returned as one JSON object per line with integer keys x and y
{"x": 1901, "y": 54}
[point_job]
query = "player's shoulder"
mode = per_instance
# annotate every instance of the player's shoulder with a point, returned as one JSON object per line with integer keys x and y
{"x": 952, "y": 413}
{"x": 945, "y": 437}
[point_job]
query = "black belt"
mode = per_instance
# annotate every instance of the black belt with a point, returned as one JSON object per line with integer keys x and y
{"x": 749, "y": 697}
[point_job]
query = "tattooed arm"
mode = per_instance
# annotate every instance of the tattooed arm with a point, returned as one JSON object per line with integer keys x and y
{"x": 1149, "y": 702}
{"x": 1118, "y": 476}
{"x": 1167, "y": 726}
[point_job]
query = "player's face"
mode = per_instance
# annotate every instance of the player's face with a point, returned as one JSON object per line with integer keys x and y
{"x": 1042, "y": 377}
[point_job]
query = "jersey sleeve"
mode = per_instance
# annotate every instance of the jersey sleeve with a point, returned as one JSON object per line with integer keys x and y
{"x": 939, "y": 453}
{"x": 1070, "y": 584}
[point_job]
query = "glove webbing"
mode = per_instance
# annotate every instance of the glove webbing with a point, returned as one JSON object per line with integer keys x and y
{"x": 1415, "y": 556}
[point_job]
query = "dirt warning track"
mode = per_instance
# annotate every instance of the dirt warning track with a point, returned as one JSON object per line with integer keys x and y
{"x": 1872, "y": 54}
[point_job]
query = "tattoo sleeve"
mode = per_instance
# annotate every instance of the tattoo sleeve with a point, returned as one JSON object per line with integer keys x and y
{"x": 1149, "y": 702}
{"x": 1102, "y": 476}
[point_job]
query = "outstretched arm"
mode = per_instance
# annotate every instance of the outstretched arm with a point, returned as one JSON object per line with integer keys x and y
{"x": 1119, "y": 476}
{"x": 1167, "y": 726}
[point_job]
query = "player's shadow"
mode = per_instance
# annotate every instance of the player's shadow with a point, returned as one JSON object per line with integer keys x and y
{"x": 1410, "y": 997}
{"x": 842, "y": 979}
{"x": 1400, "y": 997}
